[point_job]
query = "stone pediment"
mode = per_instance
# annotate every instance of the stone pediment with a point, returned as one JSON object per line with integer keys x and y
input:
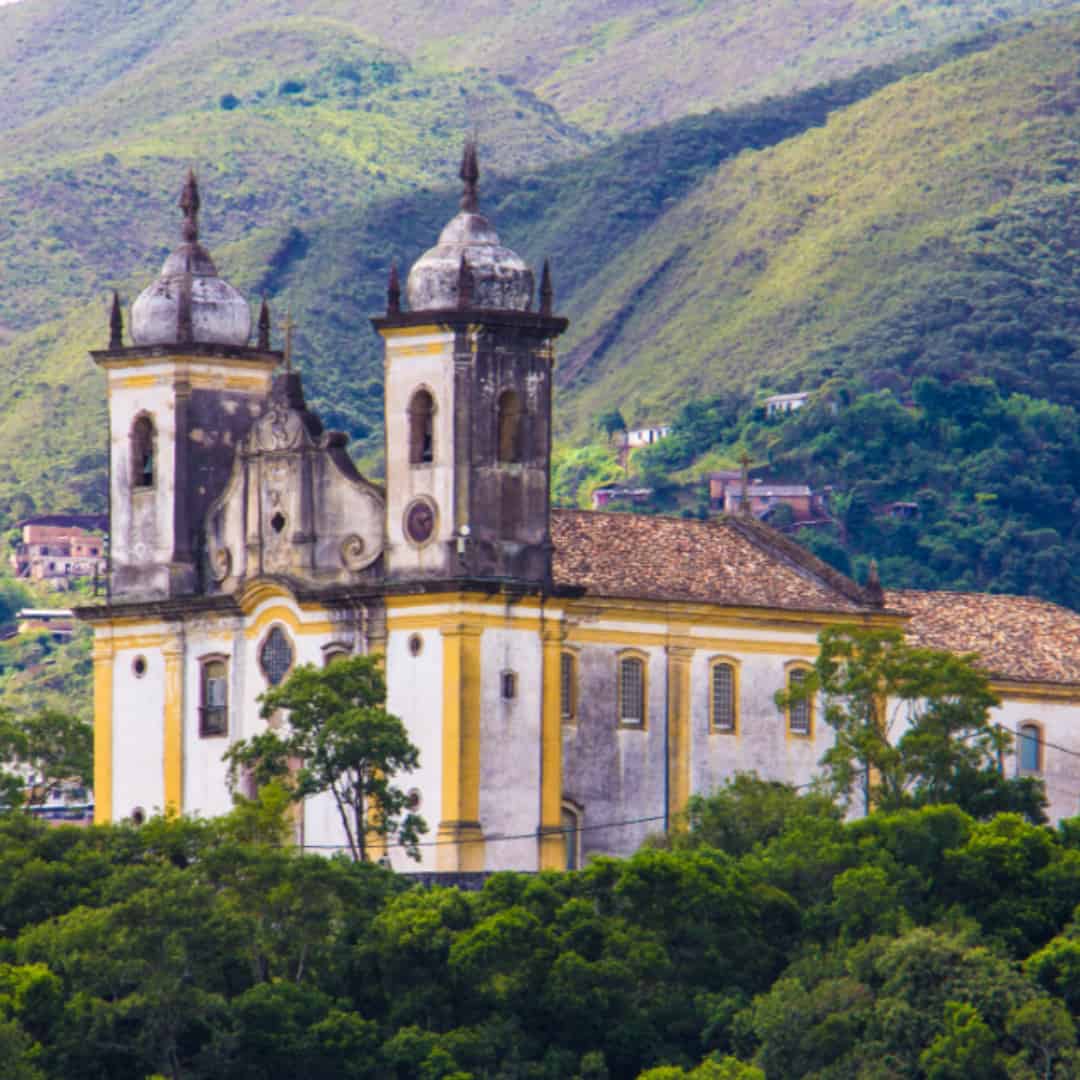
{"x": 295, "y": 505}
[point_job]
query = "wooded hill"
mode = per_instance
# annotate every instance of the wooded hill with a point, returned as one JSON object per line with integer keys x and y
{"x": 914, "y": 219}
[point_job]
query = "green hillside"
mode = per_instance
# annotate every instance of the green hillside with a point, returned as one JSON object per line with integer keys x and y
{"x": 606, "y": 66}
{"x": 930, "y": 229}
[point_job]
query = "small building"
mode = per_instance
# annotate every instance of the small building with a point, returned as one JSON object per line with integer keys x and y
{"x": 726, "y": 495}
{"x": 785, "y": 403}
{"x": 636, "y": 438}
{"x": 55, "y": 548}
{"x": 901, "y": 511}
{"x": 605, "y": 496}
{"x": 60, "y": 622}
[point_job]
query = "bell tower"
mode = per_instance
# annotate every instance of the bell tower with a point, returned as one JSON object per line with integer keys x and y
{"x": 469, "y": 370}
{"x": 181, "y": 397}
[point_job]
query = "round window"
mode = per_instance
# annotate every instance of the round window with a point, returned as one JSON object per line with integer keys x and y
{"x": 138, "y": 666}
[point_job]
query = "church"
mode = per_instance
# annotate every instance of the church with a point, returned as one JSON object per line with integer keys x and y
{"x": 570, "y": 678}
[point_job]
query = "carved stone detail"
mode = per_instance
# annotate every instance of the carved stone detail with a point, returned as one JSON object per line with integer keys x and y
{"x": 354, "y": 553}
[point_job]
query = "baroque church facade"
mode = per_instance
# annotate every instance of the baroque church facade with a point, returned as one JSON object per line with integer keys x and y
{"x": 570, "y": 678}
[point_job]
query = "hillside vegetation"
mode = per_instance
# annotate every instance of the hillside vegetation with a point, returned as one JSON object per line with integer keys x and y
{"x": 614, "y": 65}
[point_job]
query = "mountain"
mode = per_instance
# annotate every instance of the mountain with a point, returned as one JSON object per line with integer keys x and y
{"x": 602, "y": 64}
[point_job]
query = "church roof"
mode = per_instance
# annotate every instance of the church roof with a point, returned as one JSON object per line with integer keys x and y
{"x": 732, "y": 561}
{"x": 1017, "y": 637}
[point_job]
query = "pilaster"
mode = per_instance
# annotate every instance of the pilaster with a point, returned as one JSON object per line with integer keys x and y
{"x": 173, "y": 762}
{"x": 460, "y": 837}
{"x": 103, "y": 658}
{"x": 679, "y": 735}
{"x": 552, "y": 854}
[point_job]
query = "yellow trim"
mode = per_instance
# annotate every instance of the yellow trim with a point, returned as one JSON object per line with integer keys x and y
{"x": 679, "y": 728}
{"x": 280, "y": 613}
{"x": 1066, "y": 693}
{"x": 104, "y": 659}
{"x": 632, "y": 654}
{"x": 392, "y": 332}
{"x": 139, "y": 382}
{"x": 448, "y": 619}
{"x": 452, "y": 601}
{"x": 798, "y": 665}
{"x": 173, "y": 366}
{"x": 140, "y": 641}
{"x": 173, "y": 763}
{"x": 736, "y": 675}
{"x": 578, "y": 635}
{"x": 428, "y": 348}
{"x": 703, "y": 614}
{"x": 462, "y": 846}
{"x": 552, "y": 854}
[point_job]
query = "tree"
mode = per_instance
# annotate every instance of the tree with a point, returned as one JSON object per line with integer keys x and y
{"x": 339, "y": 738}
{"x": 42, "y": 751}
{"x": 610, "y": 422}
{"x": 875, "y": 685}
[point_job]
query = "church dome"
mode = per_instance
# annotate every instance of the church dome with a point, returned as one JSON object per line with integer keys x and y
{"x": 189, "y": 303}
{"x": 469, "y": 267}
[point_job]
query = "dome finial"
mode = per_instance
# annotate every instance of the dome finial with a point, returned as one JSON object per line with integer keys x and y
{"x": 547, "y": 294}
{"x": 393, "y": 291}
{"x": 116, "y": 324}
{"x": 470, "y": 176}
{"x": 264, "y": 326}
{"x": 189, "y": 203}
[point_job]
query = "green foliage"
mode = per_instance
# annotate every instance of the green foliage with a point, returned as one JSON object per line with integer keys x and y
{"x": 912, "y": 726}
{"x": 207, "y": 948}
{"x": 345, "y": 743}
{"x": 41, "y": 752}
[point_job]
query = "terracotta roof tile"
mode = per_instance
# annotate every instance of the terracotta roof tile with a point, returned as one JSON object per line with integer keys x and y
{"x": 729, "y": 561}
{"x": 1016, "y": 637}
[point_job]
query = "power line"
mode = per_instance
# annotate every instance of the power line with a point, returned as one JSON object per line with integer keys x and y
{"x": 560, "y": 831}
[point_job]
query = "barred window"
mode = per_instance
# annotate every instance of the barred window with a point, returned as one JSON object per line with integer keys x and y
{"x": 798, "y": 711}
{"x": 723, "y": 697}
{"x": 276, "y": 656}
{"x": 632, "y": 691}
{"x": 566, "y": 687}
{"x": 214, "y": 698}
{"x": 1028, "y": 747}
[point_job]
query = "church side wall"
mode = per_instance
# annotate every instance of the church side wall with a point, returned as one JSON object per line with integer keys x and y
{"x": 414, "y": 693}
{"x": 510, "y": 748}
{"x": 614, "y": 773}
{"x": 1058, "y": 722}
{"x": 138, "y": 743}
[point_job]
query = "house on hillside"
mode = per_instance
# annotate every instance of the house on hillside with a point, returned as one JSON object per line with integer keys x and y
{"x": 56, "y": 548}
{"x": 726, "y": 496}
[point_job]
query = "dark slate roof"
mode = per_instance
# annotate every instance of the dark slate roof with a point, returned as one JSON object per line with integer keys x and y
{"x": 731, "y": 561}
{"x": 1016, "y": 637}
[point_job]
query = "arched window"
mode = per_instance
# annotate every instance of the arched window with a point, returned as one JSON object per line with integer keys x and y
{"x": 142, "y": 452}
{"x": 421, "y": 428}
{"x": 568, "y": 687}
{"x": 800, "y": 713}
{"x": 1029, "y": 748}
{"x": 214, "y": 696}
{"x": 509, "y": 426}
{"x": 571, "y": 826}
{"x": 632, "y": 691}
{"x": 722, "y": 700}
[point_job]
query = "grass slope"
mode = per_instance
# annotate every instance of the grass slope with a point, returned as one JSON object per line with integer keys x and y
{"x": 612, "y": 65}
{"x": 928, "y": 229}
